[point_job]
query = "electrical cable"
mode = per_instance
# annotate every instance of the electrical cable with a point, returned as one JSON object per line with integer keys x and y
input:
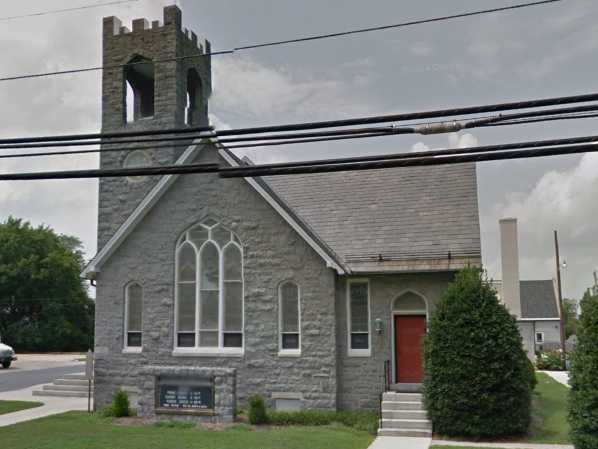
{"x": 327, "y": 165}
{"x": 59, "y": 11}
{"x": 369, "y": 120}
{"x": 297, "y": 138}
{"x": 290, "y": 41}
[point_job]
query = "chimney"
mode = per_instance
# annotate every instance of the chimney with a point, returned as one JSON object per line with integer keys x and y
{"x": 510, "y": 266}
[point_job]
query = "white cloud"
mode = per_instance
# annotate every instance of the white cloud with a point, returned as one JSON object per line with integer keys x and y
{"x": 564, "y": 200}
{"x": 455, "y": 140}
{"x": 421, "y": 48}
{"x": 243, "y": 87}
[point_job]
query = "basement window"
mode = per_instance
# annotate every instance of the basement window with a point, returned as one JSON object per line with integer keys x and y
{"x": 139, "y": 89}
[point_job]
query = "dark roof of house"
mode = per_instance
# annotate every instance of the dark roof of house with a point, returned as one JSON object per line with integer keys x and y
{"x": 538, "y": 299}
{"x": 409, "y": 213}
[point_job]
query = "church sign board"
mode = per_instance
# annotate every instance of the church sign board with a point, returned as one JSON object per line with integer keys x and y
{"x": 185, "y": 395}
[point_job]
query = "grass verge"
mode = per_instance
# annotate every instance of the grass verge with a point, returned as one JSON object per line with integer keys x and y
{"x": 78, "y": 430}
{"x": 549, "y": 412}
{"x": 16, "y": 406}
{"x": 549, "y": 416}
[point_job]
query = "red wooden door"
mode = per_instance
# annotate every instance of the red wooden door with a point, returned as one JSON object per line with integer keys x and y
{"x": 409, "y": 333}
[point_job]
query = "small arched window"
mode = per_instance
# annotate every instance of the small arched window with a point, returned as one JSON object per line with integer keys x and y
{"x": 289, "y": 319}
{"x": 209, "y": 289}
{"x": 139, "y": 87}
{"x": 133, "y": 316}
{"x": 193, "y": 110}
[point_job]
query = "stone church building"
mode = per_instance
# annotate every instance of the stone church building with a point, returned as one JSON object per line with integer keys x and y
{"x": 300, "y": 288}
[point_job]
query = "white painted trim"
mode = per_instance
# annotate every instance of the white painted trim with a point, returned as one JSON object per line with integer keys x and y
{"x": 538, "y": 342}
{"x": 289, "y": 353}
{"x": 538, "y": 319}
{"x": 394, "y": 312}
{"x": 158, "y": 191}
{"x": 182, "y": 241}
{"x": 290, "y": 220}
{"x": 208, "y": 352}
{"x": 139, "y": 213}
{"x": 126, "y": 347}
{"x": 281, "y": 351}
{"x": 133, "y": 350}
{"x": 358, "y": 352}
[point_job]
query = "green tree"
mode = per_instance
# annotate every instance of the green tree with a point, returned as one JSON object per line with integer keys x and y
{"x": 44, "y": 304}
{"x": 583, "y": 399}
{"x": 477, "y": 381}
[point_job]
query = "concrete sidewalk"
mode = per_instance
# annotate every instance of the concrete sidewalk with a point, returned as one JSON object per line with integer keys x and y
{"x": 400, "y": 443}
{"x": 502, "y": 445}
{"x": 560, "y": 376}
{"x": 52, "y": 406}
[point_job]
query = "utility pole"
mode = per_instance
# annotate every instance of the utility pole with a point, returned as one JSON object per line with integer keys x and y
{"x": 560, "y": 297}
{"x": 595, "y": 283}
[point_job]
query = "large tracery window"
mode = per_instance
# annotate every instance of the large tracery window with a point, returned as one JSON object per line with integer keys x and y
{"x": 209, "y": 289}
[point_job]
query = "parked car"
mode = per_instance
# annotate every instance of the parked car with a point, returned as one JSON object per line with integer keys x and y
{"x": 7, "y": 355}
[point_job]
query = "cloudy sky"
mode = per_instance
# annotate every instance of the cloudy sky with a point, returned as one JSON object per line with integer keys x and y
{"x": 538, "y": 52}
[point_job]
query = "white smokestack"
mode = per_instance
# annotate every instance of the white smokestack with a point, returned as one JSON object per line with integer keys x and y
{"x": 509, "y": 249}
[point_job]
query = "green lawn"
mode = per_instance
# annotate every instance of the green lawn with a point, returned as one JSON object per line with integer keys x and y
{"x": 78, "y": 430}
{"x": 549, "y": 415}
{"x": 549, "y": 412}
{"x": 15, "y": 406}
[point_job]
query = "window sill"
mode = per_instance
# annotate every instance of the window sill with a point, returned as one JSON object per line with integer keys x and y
{"x": 359, "y": 353}
{"x": 133, "y": 350}
{"x": 208, "y": 352}
{"x": 289, "y": 353}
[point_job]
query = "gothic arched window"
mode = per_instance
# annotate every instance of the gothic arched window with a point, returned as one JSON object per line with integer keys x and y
{"x": 209, "y": 289}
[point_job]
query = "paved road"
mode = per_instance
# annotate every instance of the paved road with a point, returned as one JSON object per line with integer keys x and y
{"x": 32, "y": 370}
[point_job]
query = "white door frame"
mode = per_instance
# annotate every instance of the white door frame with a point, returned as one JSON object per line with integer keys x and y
{"x": 393, "y": 313}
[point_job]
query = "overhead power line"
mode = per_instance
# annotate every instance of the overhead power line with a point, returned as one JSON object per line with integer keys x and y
{"x": 60, "y": 11}
{"x": 298, "y": 138}
{"x": 327, "y": 167}
{"x": 396, "y": 25}
{"x": 438, "y": 157}
{"x": 294, "y": 41}
{"x": 370, "y": 120}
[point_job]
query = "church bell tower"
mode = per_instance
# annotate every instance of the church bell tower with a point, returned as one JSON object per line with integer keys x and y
{"x": 155, "y": 77}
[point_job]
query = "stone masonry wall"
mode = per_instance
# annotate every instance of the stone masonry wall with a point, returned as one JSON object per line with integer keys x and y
{"x": 361, "y": 379}
{"x": 273, "y": 253}
{"x": 158, "y": 42}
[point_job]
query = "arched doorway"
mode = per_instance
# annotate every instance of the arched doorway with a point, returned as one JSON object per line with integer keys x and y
{"x": 409, "y": 315}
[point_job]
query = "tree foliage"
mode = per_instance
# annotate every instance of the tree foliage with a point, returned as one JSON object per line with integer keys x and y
{"x": 44, "y": 304}
{"x": 477, "y": 379}
{"x": 583, "y": 399}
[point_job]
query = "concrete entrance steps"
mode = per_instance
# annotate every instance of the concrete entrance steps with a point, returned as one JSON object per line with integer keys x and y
{"x": 403, "y": 415}
{"x": 69, "y": 386}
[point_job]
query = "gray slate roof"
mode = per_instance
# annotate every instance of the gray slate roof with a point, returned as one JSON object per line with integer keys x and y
{"x": 538, "y": 299}
{"x": 409, "y": 213}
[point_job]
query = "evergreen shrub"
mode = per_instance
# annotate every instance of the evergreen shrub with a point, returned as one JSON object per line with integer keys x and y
{"x": 477, "y": 379}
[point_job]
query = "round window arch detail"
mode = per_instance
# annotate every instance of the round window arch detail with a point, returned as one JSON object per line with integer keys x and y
{"x": 137, "y": 159}
{"x": 410, "y": 303}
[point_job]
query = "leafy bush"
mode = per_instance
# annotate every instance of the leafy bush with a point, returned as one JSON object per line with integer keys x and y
{"x": 366, "y": 421}
{"x": 257, "y": 409}
{"x": 476, "y": 380}
{"x": 120, "y": 404}
{"x": 583, "y": 412}
{"x": 531, "y": 372}
{"x": 550, "y": 360}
